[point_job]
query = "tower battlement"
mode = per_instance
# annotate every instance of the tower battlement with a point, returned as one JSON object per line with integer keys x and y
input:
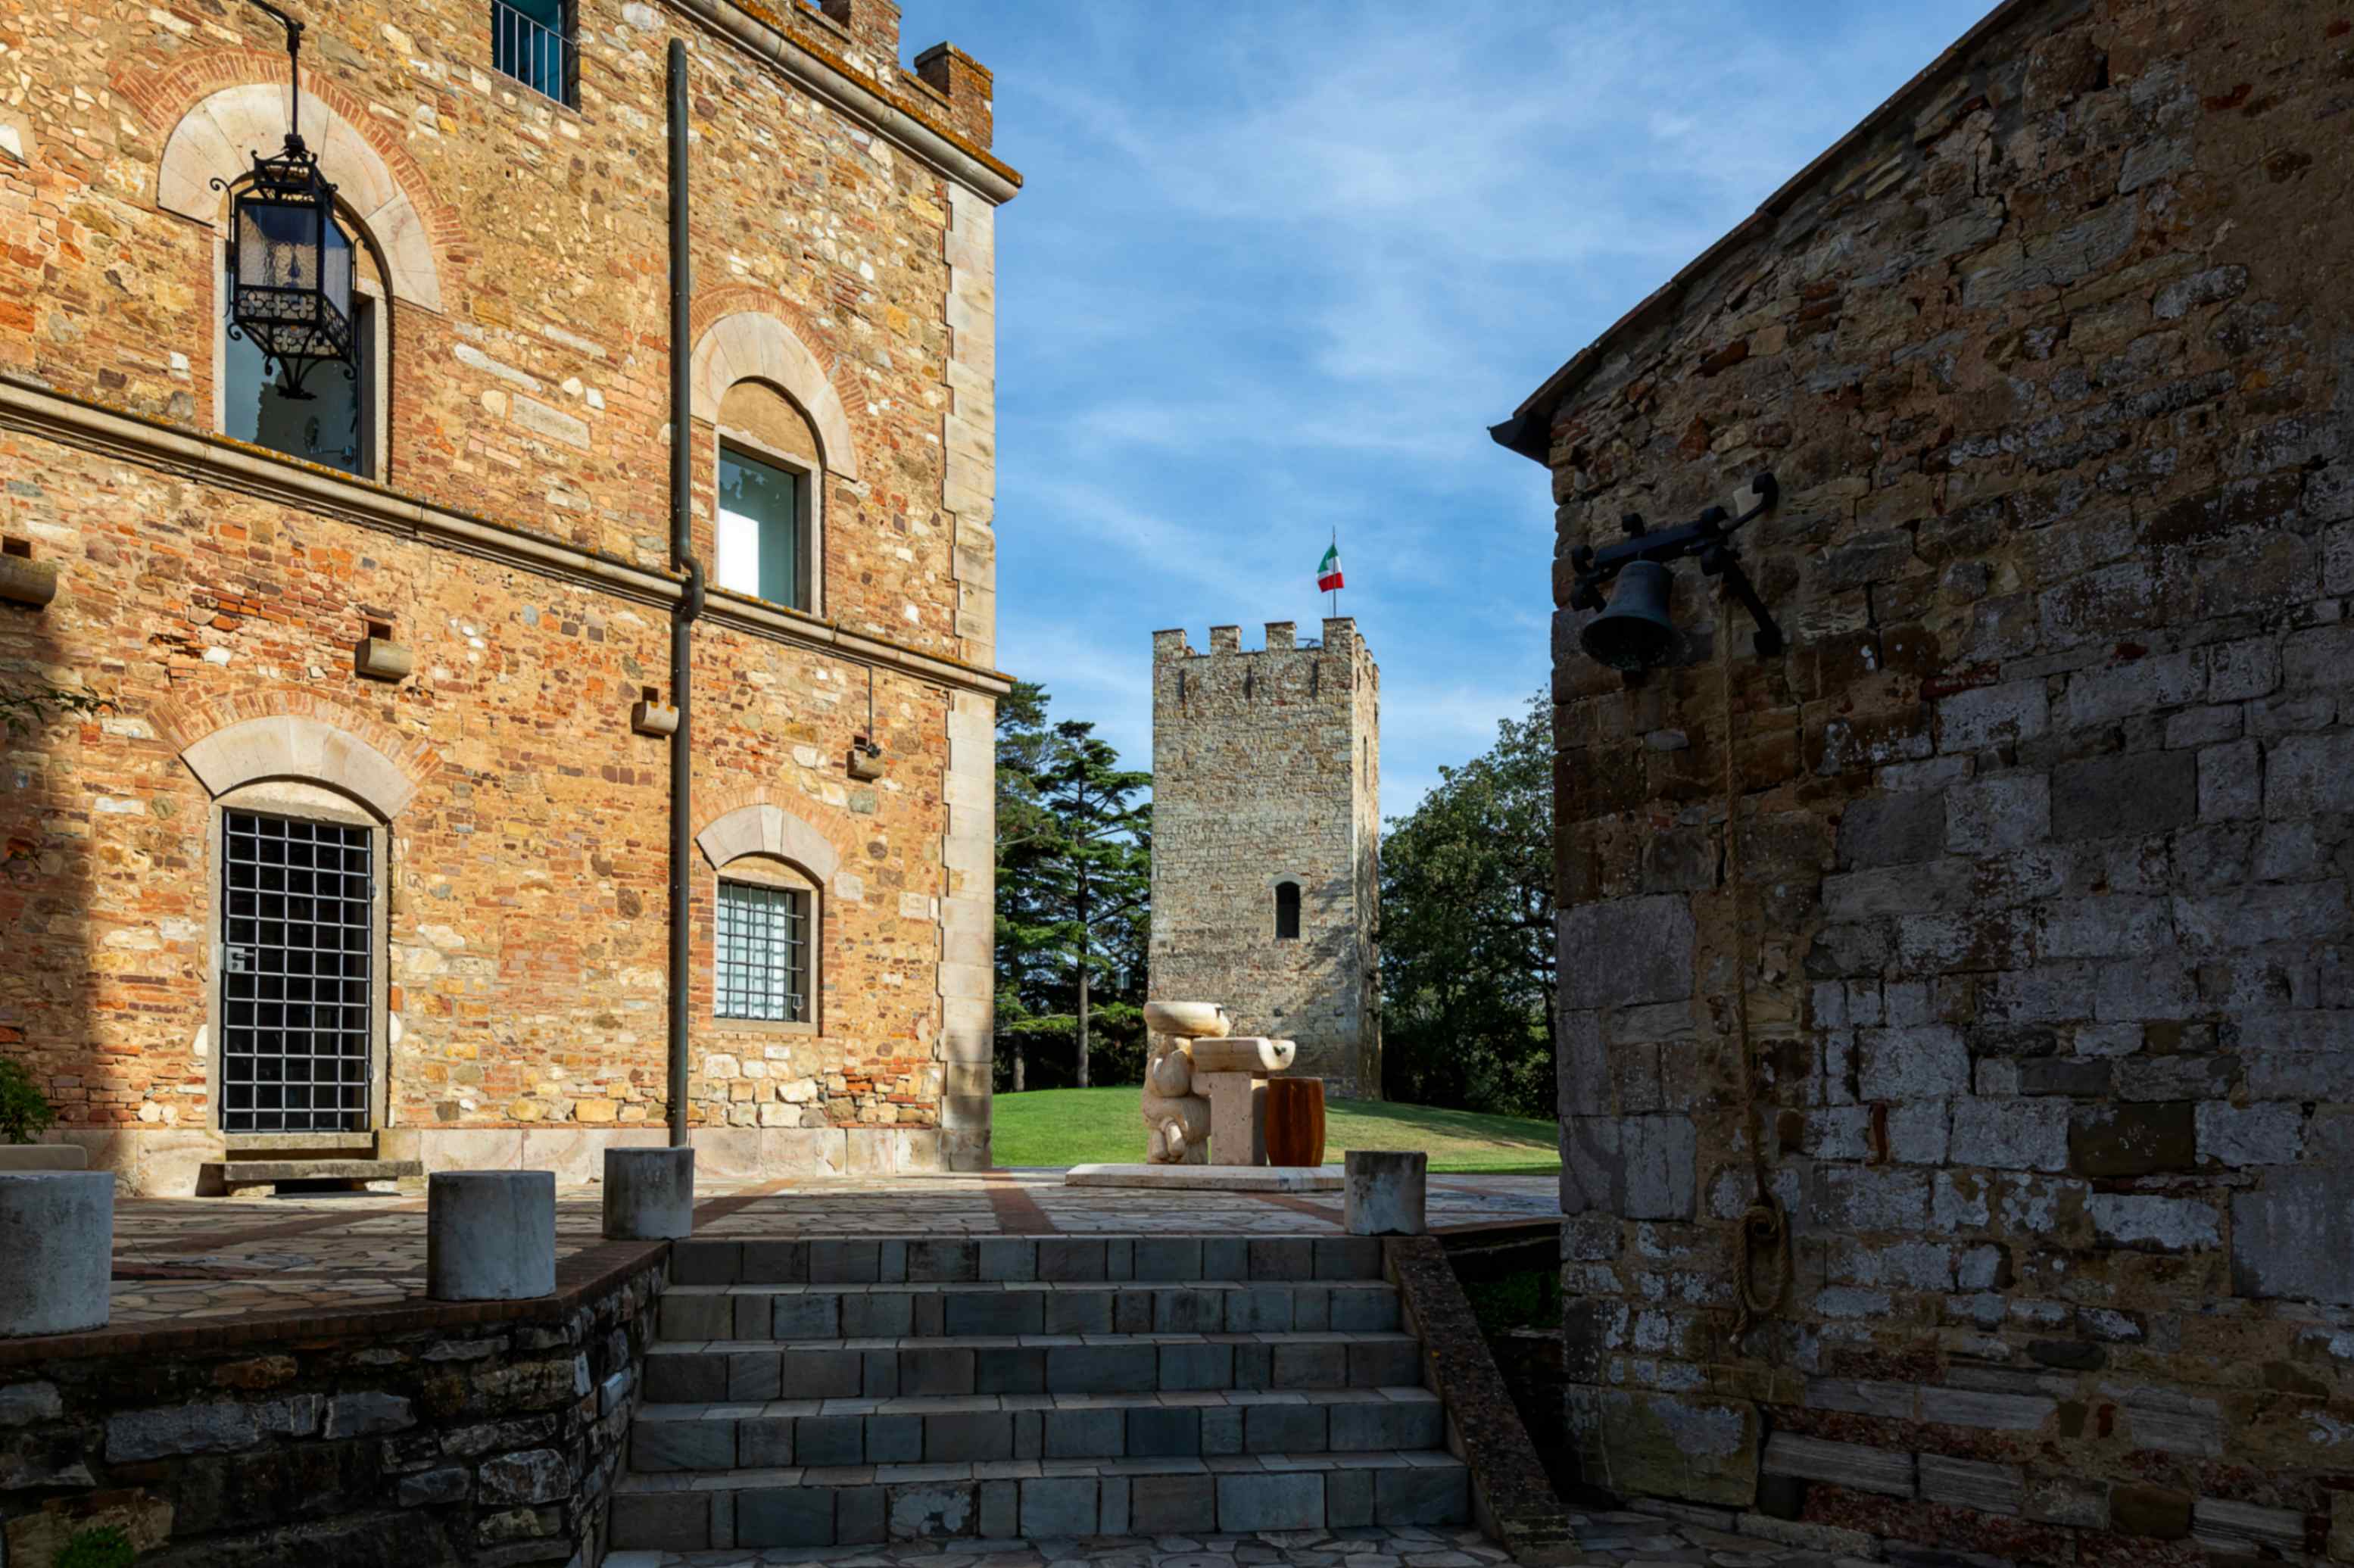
{"x": 1266, "y": 831}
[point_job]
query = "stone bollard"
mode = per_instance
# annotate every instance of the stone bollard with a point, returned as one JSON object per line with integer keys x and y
{"x": 648, "y": 1194}
{"x": 1385, "y": 1189}
{"x": 490, "y": 1235}
{"x": 57, "y": 1231}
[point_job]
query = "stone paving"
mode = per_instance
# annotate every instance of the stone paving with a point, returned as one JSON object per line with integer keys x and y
{"x": 191, "y": 1258}
{"x": 1405, "y": 1547}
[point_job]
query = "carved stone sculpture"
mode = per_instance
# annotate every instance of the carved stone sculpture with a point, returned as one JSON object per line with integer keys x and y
{"x": 1176, "y": 1119}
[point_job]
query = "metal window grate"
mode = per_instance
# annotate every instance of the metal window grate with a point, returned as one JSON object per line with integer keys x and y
{"x": 541, "y": 56}
{"x": 763, "y": 953}
{"x": 298, "y": 917}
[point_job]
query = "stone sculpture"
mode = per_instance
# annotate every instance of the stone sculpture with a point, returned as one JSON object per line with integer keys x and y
{"x": 1176, "y": 1119}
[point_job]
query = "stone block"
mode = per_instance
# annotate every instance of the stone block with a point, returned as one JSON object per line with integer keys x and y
{"x": 1060, "y": 1507}
{"x": 2011, "y": 1134}
{"x": 1853, "y": 1465}
{"x": 2132, "y": 1140}
{"x": 1238, "y": 1117}
{"x": 2141, "y": 794}
{"x": 1994, "y": 815}
{"x": 2294, "y": 1237}
{"x": 1693, "y": 1447}
{"x": 1249, "y": 1502}
{"x": 1892, "y": 830}
{"x": 1627, "y": 950}
{"x": 778, "y": 1517}
{"x": 1171, "y": 1505}
{"x": 1926, "y": 1062}
{"x": 1386, "y": 1192}
{"x": 1421, "y": 1495}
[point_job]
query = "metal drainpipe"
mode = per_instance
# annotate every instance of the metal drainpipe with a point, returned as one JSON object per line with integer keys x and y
{"x": 690, "y": 605}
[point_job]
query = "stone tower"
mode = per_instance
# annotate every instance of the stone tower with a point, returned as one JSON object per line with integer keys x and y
{"x": 1266, "y": 840}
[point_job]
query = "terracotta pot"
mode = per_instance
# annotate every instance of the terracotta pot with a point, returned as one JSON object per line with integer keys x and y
{"x": 1294, "y": 1121}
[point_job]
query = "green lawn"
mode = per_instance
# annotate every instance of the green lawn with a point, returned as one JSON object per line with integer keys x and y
{"x": 1090, "y": 1127}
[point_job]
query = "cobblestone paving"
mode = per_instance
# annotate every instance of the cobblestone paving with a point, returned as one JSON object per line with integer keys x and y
{"x": 191, "y": 1258}
{"x": 1403, "y": 1548}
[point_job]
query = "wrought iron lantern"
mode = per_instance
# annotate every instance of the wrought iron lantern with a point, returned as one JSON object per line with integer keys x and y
{"x": 290, "y": 262}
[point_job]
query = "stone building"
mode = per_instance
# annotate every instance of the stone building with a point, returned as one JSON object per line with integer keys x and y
{"x": 1267, "y": 820}
{"x": 2036, "y": 916}
{"x": 368, "y": 846}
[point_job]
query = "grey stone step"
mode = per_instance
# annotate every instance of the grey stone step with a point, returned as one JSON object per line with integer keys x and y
{"x": 239, "y": 1175}
{"x": 739, "y": 1371}
{"x": 860, "y": 1504}
{"x": 982, "y": 1427}
{"x": 788, "y": 1312}
{"x": 947, "y": 1260}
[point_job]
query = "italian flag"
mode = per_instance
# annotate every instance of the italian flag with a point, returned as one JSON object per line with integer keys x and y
{"x": 1328, "y": 573}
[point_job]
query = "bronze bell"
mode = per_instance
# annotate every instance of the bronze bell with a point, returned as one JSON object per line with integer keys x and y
{"x": 1635, "y": 632}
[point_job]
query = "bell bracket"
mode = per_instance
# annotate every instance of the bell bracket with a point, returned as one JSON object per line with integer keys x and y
{"x": 1708, "y": 537}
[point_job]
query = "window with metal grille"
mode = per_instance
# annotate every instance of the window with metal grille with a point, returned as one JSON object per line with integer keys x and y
{"x": 298, "y": 927}
{"x": 1287, "y": 911}
{"x": 763, "y": 958}
{"x": 534, "y": 42}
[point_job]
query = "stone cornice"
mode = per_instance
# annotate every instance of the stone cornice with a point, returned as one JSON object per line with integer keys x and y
{"x": 28, "y": 407}
{"x": 853, "y": 91}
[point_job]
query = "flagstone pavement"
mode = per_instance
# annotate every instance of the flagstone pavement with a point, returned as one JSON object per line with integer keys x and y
{"x": 1630, "y": 1539}
{"x": 187, "y": 1259}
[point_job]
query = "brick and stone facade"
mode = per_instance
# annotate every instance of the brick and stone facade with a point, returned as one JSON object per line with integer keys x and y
{"x": 1267, "y": 770}
{"x": 512, "y": 537}
{"x": 2038, "y": 899}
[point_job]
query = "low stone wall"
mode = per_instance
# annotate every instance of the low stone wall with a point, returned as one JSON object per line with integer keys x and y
{"x": 422, "y": 1434}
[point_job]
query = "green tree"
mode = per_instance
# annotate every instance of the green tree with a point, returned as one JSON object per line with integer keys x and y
{"x": 1074, "y": 877}
{"x": 1466, "y": 931}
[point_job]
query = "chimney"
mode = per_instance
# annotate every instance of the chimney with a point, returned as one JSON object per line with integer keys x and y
{"x": 966, "y": 83}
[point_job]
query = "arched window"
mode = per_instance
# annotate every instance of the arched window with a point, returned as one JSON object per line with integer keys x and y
{"x": 766, "y": 947}
{"x": 771, "y": 489}
{"x": 1287, "y": 911}
{"x": 336, "y": 420}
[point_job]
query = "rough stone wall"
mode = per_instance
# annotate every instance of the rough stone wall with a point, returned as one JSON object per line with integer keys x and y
{"x": 486, "y": 1443}
{"x": 527, "y": 876}
{"x": 2043, "y": 847}
{"x": 1265, "y": 766}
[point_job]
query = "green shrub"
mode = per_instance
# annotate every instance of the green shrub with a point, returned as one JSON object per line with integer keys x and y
{"x": 24, "y": 1111}
{"x": 101, "y": 1546}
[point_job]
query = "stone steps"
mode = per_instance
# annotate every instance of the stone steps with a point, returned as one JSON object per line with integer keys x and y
{"x": 235, "y": 1176}
{"x": 948, "y": 1260}
{"x": 934, "y": 1310}
{"x": 738, "y": 1371}
{"x": 862, "y": 1504}
{"x": 842, "y": 1391}
{"x": 837, "y": 1432}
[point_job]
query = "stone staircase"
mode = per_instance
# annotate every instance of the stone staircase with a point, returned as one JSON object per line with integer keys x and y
{"x": 841, "y": 1392}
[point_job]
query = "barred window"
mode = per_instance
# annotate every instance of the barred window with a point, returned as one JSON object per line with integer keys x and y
{"x": 763, "y": 953}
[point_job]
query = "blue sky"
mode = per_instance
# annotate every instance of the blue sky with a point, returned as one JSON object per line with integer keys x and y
{"x": 1278, "y": 265}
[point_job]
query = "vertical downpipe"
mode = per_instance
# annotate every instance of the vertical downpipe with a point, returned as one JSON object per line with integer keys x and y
{"x": 690, "y": 605}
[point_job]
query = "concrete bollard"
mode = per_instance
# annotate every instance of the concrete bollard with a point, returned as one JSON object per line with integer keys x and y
{"x": 57, "y": 1232}
{"x": 1384, "y": 1191}
{"x": 648, "y": 1194}
{"x": 490, "y": 1235}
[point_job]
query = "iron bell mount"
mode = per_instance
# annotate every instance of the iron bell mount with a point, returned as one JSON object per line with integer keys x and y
{"x": 1638, "y": 631}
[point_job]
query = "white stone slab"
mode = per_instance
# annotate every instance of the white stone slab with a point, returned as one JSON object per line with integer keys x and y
{"x": 1209, "y": 1178}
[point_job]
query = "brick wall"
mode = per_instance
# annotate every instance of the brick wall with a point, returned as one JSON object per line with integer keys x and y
{"x": 1266, "y": 765}
{"x": 524, "y": 244}
{"x": 2040, "y": 906}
